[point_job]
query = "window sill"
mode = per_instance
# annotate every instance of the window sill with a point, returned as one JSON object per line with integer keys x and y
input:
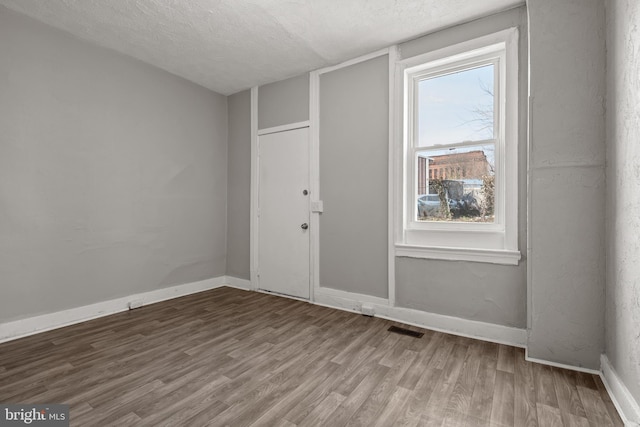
{"x": 492, "y": 256}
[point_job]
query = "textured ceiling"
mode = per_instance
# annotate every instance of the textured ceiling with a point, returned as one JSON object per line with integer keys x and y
{"x": 230, "y": 45}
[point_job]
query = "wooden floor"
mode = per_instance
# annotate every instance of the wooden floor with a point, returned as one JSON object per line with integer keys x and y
{"x": 231, "y": 357}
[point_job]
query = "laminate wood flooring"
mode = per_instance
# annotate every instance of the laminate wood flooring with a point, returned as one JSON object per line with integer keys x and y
{"x": 239, "y": 358}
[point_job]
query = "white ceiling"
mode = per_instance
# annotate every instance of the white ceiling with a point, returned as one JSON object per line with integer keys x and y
{"x": 230, "y": 45}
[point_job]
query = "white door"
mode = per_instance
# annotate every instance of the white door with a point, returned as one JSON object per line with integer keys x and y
{"x": 283, "y": 212}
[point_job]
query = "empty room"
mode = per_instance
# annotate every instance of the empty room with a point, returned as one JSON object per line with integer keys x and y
{"x": 320, "y": 213}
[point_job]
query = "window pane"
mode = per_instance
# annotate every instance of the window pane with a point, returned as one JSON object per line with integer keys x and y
{"x": 456, "y": 107}
{"x": 456, "y": 184}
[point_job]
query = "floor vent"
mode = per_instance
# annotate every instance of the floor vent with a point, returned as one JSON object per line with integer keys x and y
{"x": 404, "y": 331}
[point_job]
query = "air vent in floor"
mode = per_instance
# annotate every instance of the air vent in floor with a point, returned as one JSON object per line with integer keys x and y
{"x": 404, "y": 331}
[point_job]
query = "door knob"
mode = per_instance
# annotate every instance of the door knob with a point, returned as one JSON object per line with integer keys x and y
{"x": 304, "y": 226}
{"x": 305, "y": 192}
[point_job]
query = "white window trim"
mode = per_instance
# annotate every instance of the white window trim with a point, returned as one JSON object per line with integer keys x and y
{"x": 493, "y": 243}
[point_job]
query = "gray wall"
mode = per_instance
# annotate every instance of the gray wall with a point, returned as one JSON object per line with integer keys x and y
{"x": 112, "y": 174}
{"x": 239, "y": 185}
{"x": 354, "y": 146}
{"x": 623, "y": 191}
{"x": 354, "y": 161}
{"x": 470, "y": 290}
{"x": 567, "y": 181}
{"x": 283, "y": 102}
{"x": 477, "y": 291}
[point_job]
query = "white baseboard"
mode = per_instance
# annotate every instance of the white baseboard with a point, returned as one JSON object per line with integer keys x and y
{"x": 234, "y": 282}
{"x": 346, "y": 300}
{"x": 457, "y": 326}
{"x": 33, "y": 325}
{"x": 624, "y": 402}
{"x": 560, "y": 365}
{"x": 453, "y": 325}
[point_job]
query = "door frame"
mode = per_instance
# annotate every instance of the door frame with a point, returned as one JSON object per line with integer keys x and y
{"x": 255, "y": 192}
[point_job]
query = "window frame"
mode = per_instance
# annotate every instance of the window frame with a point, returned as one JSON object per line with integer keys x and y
{"x": 495, "y": 242}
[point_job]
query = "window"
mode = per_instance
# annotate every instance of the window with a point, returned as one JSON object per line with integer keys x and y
{"x": 458, "y": 152}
